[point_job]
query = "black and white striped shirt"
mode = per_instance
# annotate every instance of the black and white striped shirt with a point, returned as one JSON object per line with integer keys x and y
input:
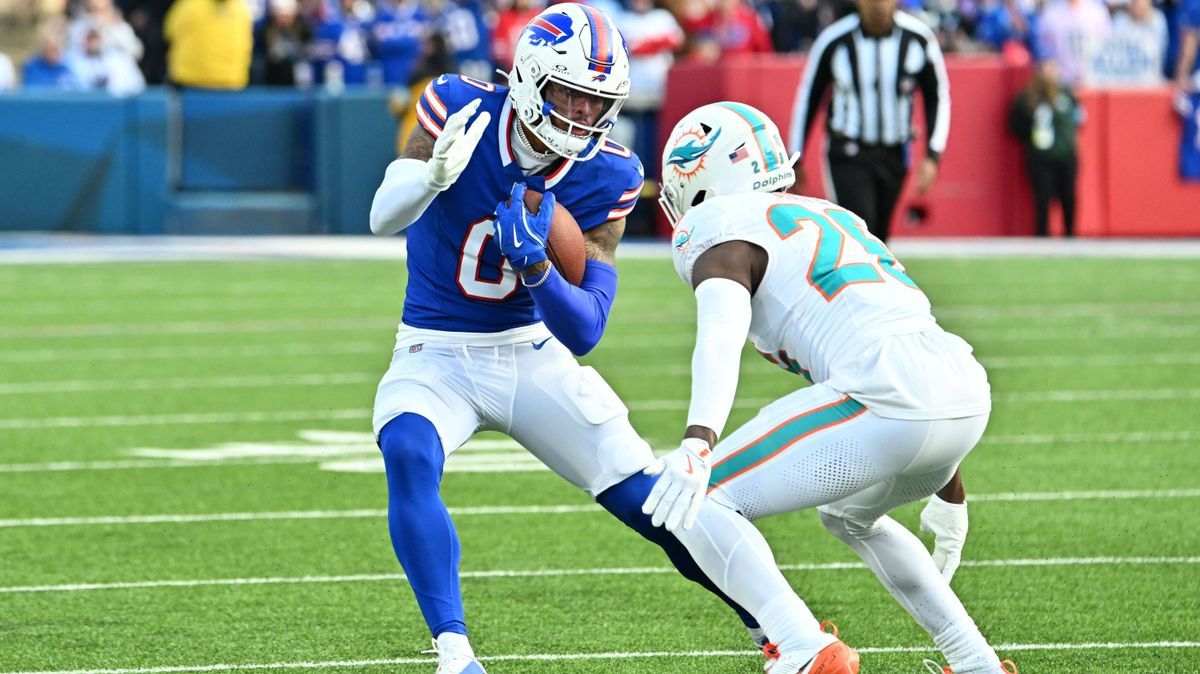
{"x": 873, "y": 81}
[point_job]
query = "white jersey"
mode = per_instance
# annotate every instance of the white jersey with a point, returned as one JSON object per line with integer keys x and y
{"x": 836, "y": 307}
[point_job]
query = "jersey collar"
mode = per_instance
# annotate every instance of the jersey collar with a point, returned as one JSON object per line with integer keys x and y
{"x": 508, "y": 117}
{"x": 508, "y": 155}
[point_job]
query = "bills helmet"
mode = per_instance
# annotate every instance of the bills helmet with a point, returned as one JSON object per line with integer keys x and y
{"x": 571, "y": 65}
{"x": 719, "y": 149}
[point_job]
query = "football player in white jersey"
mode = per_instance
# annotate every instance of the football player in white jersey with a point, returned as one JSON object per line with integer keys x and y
{"x": 895, "y": 405}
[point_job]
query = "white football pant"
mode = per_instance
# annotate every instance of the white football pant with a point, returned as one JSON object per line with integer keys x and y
{"x": 818, "y": 447}
{"x": 534, "y": 390}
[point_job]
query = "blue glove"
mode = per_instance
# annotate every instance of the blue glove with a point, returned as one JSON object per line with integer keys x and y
{"x": 520, "y": 234}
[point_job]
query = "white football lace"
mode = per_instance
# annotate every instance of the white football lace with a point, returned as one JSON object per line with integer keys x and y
{"x": 932, "y": 666}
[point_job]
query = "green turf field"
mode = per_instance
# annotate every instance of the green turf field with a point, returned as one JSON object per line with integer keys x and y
{"x": 187, "y": 481}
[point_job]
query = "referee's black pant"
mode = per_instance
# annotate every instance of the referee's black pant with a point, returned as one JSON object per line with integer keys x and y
{"x": 867, "y": 180}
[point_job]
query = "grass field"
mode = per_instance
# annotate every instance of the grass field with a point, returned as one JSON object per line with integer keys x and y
{"x": 188, "y": 483}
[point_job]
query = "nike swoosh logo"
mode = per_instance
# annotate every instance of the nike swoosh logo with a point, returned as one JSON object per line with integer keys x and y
{"x": 517, "y": 239}
{"x": 689, "y": 470}
{"x": 538, "y": 345}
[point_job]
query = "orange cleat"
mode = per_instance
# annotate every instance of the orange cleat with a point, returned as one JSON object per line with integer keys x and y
{"x": 836, "y": 658}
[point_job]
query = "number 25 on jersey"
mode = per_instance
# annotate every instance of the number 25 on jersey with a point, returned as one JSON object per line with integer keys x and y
{"x": 827, "y": 273}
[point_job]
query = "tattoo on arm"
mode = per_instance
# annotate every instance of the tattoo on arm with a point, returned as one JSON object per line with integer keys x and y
{"x": 600, "y": 243}
{"x": 420, "y": 144}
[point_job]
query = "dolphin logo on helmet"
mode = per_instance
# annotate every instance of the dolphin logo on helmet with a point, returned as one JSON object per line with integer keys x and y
{"x": 693, "y": 151}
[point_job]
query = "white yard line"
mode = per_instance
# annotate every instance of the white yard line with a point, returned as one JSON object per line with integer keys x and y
{"x": 25, "y": 356}
{"x": 280, "y": 325}
{"x": 188, "y": 383}
{"x": 147, "y": 464}
{"x": 556, "y": 573}
{"x": 50, "y": 248}
{"x": 1116, "y": 311}
{"x": 355, "y": 378}
{"x": 562, "y": 509}
{"x": 556, "y": 657}
{"x": 37, "y": 355}
{"x": 293, "y": 326}
{"x": 364, "y": 414}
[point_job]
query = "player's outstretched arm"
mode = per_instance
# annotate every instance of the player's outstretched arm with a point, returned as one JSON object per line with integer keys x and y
{"x": 945, "y": 516}
{"x": 429, "y": 166}
{"x": 577, "y": 316}
{"x": 723, "y": 278}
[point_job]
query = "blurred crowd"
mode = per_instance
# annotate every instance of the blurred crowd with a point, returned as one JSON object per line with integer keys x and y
{"x": 122, "y": 45}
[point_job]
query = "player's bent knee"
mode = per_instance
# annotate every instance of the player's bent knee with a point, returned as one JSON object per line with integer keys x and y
{"x": 845, "y": 528}
{"x": 411, "y": 448}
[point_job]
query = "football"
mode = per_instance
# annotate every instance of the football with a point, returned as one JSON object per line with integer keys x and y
{"x": 564, "y": 246}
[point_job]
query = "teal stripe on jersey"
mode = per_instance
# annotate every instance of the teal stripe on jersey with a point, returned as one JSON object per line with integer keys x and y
{"x": 760, "y": 131}
{"x": 779, "y": 439}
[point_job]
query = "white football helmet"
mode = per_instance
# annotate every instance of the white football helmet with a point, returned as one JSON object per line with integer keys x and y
{"x": 572, "y": 50}
{"x": 719, "y": 149}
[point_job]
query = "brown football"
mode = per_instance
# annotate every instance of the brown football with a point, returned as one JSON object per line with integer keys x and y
{"x": 564, "y": 246}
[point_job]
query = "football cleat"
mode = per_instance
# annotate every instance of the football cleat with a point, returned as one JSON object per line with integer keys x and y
{"x": 836, "y": 658}
{"x": 459, "y": 666}
{"x": 1006, "y": 667}
{"x": 459, "y": 662}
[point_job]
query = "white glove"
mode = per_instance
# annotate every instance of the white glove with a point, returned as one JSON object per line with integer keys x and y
{"x": 948, "y": 524}
{"x": 678, "y": 494}
{"x": 453, "y": 149}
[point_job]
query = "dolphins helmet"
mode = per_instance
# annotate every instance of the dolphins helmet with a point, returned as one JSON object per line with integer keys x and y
{"x": 719, "y": 149}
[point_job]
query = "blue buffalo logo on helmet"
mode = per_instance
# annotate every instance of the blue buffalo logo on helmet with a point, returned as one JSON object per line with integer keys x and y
{"x": 550, "y": 30}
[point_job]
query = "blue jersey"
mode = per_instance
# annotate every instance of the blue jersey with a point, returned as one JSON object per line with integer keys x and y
{"x": 457, "y": 278}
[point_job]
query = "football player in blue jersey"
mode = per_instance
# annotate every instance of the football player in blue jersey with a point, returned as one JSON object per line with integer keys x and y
{"x": 490, "y": 329}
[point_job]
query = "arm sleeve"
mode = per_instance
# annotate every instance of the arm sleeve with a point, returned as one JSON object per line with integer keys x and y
{"x": 576, "y": 316}
{"x": 405, "y": 193}
{"x": 812, "y": 89}
{"x": 722, "y": 325}
{"x": 935, "y": 89}
{"x": 402, "y": 197}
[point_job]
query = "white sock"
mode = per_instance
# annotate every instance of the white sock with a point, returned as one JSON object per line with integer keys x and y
{"x": 454, "y": 645}
{"x": 961, "y": 644}
{"x": 901, "y": 562}
{"x": 737, "y": 558}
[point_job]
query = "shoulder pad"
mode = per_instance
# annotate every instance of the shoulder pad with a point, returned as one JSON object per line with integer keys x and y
{"x": 443, "y": 97}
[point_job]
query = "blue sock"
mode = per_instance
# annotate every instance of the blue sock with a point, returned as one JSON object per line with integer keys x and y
{"x": 422, "y": 534}
{"x": 624, "y": 500}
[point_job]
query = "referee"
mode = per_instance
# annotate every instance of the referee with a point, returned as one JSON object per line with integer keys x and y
{"x": 874, "y": 59}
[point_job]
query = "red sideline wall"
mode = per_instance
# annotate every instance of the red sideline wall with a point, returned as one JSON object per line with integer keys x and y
{"x": 1128, "y": 182}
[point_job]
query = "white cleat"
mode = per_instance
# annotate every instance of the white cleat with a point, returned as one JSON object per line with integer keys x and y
{"x": 455, "y": 655}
